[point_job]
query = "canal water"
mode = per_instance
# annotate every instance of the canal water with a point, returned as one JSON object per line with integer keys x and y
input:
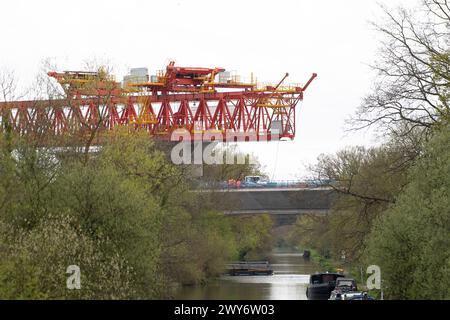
{"x": 291, "y": 276}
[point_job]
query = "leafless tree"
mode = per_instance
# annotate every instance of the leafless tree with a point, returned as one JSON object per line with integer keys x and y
{"x": 107, "y": 84}
{"x": 8, "y": 85}
{"x": 7, "y": 90}
{"x": 411, "y": 89}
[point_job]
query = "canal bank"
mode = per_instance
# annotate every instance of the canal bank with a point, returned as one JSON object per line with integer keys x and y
{"x": 291, "y": 276}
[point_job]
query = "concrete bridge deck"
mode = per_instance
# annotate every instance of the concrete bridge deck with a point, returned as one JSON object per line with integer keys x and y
{"x": 283, "y": 204}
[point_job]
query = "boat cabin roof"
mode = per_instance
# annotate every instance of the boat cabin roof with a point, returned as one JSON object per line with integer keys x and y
{"x": 324, "y": 277}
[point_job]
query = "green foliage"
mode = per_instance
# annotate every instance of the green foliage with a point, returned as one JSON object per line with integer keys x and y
{"x": 33, "y": 263}
{"x": 253, "y": 236}
{"x": 312, "y": 232}
{"x": 236, "y": 170}
{"x": 440, "y": 66}
{"x": 395, "y": 216}
{"x": 124, "y": 214}
{"x": 325, "y": 263}
{"x": 392, "y": 204}
{"x": 411, "y": 241}
{"x": 366, "y": 182}
{"x": 213, "y": 245}
{"x": 116, "y": 208}
{"x": 26, "y": 173}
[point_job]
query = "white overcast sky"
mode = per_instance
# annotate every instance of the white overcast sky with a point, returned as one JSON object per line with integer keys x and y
{"x": 268, "y": 38}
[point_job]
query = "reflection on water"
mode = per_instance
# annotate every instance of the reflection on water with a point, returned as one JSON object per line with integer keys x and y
{"x": 291, "y": 276}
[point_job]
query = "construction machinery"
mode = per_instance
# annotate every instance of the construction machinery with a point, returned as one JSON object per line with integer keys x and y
{"x": 196, "y": 102}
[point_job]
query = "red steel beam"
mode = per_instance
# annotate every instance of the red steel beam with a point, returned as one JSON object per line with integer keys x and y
{"x": 245, "y": 114}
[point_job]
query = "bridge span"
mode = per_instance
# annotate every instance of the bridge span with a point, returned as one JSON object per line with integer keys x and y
{"x": 284, "y": 205}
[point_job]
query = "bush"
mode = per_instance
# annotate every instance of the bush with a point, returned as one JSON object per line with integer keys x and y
{"x": 124, "y": 215}
{"x": 33, "y": 264}
{"x": 411, "y": 241}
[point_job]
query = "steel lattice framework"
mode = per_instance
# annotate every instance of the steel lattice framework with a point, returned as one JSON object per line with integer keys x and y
{"x": 178, "y": 99}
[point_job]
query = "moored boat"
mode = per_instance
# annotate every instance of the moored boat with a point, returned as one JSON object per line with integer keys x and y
{"x": 321, "y": 285}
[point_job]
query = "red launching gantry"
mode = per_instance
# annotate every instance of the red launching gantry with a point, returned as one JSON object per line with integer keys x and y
{"x": 178, "y": 99}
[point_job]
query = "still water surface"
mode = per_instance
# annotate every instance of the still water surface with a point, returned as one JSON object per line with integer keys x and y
{"x": 291, "y": 276}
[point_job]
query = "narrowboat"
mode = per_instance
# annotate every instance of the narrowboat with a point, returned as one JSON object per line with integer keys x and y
{"x": 321, "y": 285}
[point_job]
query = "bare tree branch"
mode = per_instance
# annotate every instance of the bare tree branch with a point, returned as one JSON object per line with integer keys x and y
{"x": 413, "y": 70}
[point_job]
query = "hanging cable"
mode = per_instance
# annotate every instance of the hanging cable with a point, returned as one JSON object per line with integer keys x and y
{"x": 276, "y": 160}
